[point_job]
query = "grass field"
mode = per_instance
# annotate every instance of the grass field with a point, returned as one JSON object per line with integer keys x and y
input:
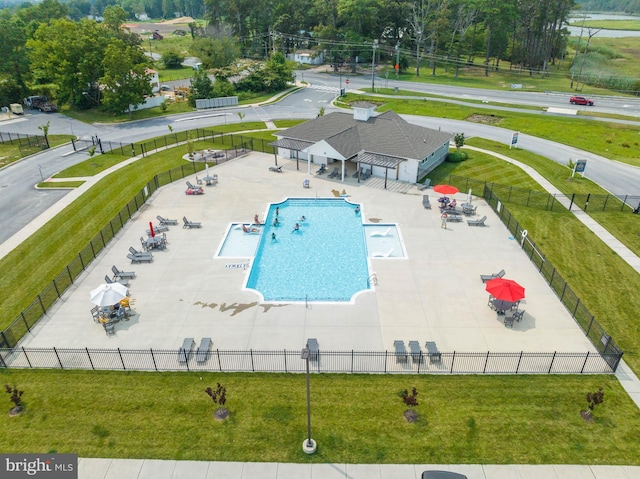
{"x": 633, "y": 25}
{"x": 13, "y": 152}
{"x": 355, "y": 419}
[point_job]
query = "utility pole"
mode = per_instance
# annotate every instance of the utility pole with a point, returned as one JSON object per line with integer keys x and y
{"x": 397, "y": 59}
{"x": 373, "y": 65}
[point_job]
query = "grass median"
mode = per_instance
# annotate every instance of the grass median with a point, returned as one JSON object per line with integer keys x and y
{"x": 355, "y": 418}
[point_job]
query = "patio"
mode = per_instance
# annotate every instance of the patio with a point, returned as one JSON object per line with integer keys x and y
{"x": 435, "y": 294}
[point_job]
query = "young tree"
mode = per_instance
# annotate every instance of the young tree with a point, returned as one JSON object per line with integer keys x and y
{"x": 219, "y": 397}
{"x": 458, "y": 139}
{"x": 593, "y": 399}
{"x": 125, "y": 79}
{"x": 411, "y": 401}
{"x": 16, "y": 399}
{"x": 45, "y": 131}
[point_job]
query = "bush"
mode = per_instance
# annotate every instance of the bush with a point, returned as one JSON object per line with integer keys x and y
{"x": 456, "y": 156}
{"x": 172, "y": 59}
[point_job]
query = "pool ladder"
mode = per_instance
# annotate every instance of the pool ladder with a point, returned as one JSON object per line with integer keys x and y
{"x": 372, "y": 279}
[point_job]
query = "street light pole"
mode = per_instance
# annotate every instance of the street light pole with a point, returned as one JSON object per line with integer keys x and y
{"x": 373, "y": 64}
{"x": 309, "y": 446}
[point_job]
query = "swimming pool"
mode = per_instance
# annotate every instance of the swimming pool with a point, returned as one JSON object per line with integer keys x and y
{"x": 325, "y": 260}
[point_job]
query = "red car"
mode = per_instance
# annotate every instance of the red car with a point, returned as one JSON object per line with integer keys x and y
{"x": 580, "y": 100}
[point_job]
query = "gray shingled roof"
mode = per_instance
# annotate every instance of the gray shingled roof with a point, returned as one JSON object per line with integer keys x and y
{"x": 291, "y": 144}
{"x": 386, "y": 134}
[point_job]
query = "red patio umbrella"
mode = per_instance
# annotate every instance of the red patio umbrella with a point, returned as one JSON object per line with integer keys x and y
{"x": 153, "y": 234}
{"x": 446, "y": 189}
{"x": 505, "y": 289}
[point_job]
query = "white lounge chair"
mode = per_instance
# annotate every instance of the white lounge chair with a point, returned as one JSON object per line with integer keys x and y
{"x": 379, "y": 254}
{"x": 380, "y": 233}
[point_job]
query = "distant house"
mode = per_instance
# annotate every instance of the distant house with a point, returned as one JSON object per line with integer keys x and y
{"x": 384, "y": 145}
{"x": 153, "y": 79}
{"x": 307, "y": 57}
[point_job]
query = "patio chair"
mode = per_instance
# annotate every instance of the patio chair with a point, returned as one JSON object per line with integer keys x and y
{"x": 122, "y": 274}
{"x": 489, "y": 277}
{"x": 322, "y": 170}
{"x": 139, "y": 258}
{"x": 95, "y": 312}
{"x": 190, "y": 224}
{"x": 144, "y": 244}
{"x": 203, "y": 351}
{"x": 479, "y": 222}
{"x": 110, "y": 328}
{"x": 518, "y": 315}
{"x": 334, "y": 173}
{"x": 434, "y": 354}
{"x": 508, "y": 321}
{"x": 425, "y": 202}
{"x": 314, "y": 349}
{"x": 400, "y": 351}
{"x": 425, "y": 185}
{"x": 416, "y": 352}
{"x": 305, "y": 183}
{"x": 108, "y": 280}
{"x": 184, "y": 353}
{"x": 166, "y": 221}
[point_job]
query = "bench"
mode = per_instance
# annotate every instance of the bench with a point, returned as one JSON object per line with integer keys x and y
{"x": 184, "y": 353}
{"x": 416, "y": 352}
{"x": 425, "y": 202}
{"x": 314, "y": 350}
{"x": 434, "y": 354}
{"x": 202, "y": 353}
{"x": 400, "y": 351}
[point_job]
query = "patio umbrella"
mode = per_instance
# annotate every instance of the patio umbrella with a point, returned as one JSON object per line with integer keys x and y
{"x": 505, "y": 289}
{"x": 446, "y": 189}
{"x": 206, "y": 167}
{"x": 153, "y": 233}
{"x": 108, "y": 294}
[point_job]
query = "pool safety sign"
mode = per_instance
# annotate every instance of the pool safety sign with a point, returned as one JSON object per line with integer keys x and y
{"x": 514, "y": 140}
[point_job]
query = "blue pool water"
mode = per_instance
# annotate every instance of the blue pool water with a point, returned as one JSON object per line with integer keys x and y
{"x": 326, "y": 260}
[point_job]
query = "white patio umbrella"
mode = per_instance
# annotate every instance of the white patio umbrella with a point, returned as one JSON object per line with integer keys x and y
{"x": 206, "y": 168}
{"x": 108, "y": 294}
{"x": 469, "y": 197}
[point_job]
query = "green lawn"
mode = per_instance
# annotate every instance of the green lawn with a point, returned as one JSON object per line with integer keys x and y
{"x": 60, "y": 184}
{"x": 13, "y": 152}
{"x": 355, "y": 419}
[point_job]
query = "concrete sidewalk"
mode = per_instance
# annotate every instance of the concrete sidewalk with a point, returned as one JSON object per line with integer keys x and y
{"x": 154, "y": 469}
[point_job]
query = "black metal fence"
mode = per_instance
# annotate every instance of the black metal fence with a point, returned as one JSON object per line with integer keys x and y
{"x": 596, "y": 333}
{"x": 28, "y": 144}
{"x": 375, "y": 362}
{"x": 548, "y": 201}
{"x": 225, "y": 140}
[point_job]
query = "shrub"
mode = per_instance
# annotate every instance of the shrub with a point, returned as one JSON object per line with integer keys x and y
{"x": 456, "y": 156}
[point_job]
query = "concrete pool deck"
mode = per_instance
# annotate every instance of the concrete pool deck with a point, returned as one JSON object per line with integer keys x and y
{"x": 434, "y": 294}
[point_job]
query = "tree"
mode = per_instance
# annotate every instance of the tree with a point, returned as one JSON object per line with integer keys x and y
{"x": 222, "y": 87}
{"x": 15, "y": 63}
{"x": 215, "y": 52}
{"x": 419, "y": 21}
{"x": 201, "y": 87}
{"x": 458, "y": 139}
{"x": 276, "y": 73}
{"x": 16, "y": 399}
{"x": 219, "y": 397}
{"x": 411, "y": 401}
{"x": 125, "y": 79}
{"x": 593, "y": 399}
{"x": 70, "y": 55}
{"x": 45, "y": 131}
{"x": 172, "y": 58}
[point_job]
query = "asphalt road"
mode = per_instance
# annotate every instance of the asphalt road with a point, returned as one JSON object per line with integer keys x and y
{"x": 20, "y": 202}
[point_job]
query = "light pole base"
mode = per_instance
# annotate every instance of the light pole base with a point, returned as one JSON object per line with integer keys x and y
{"x": 309, "y": 446}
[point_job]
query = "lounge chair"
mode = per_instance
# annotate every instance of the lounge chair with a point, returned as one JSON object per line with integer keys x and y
{"x": 358, "y": 172}
{"x": 489, "y": 277}
{"x": 165, "y": 221}
{"x": 380, "y": 233}
{"x": 108, "y": 280}
{"x": 400, "y": 351}
{"x": 139, "y": 258}
{"x": 184, "y": 353}
{"x": 434, "y": 354}
{"x": 314, "y": 349}
{"x": 416, "y": 352}
{"x": 191, "y": 187}
{"x": 334, "y": 173}
{"x": 479, "y": 222}
{"x": 322, "y": 170}
{"x": 122, "y": 274}
{"x": 190, "y": 224}
{"x": 425, "y": 202}
{"x": 425, "y": 185}
{"x": 365, "y": 175}
{"x": 203, "y": 351}
{"x": 379, "y": 254}
{"x": 276, "y": 169}
{"x": 158, "y": 229}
